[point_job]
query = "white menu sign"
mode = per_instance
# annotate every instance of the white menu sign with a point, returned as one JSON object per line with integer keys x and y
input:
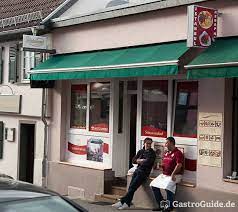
{"x": 210, "y": 129}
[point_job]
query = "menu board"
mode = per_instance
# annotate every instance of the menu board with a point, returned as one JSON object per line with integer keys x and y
{"x": 210, "y": 139}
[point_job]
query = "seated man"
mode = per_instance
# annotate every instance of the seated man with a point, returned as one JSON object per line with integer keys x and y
{"x": 145, "y": 159}
{"x": 172, "y": 173}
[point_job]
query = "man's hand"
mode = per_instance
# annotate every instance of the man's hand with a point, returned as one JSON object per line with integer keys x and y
{"x": 173, "y": 177}
{"x": 140, "y": 161}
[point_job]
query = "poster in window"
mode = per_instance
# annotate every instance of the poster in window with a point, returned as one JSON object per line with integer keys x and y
{"x": 183, "y": 98}
{"x": 95, "y": 150}
{"x": 159, "y": 150}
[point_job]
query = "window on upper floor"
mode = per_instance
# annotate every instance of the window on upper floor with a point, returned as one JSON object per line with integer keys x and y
{"x": 21, "y": 62}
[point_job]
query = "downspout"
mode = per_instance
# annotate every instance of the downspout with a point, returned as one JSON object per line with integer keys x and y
{"x": 43, "y": 118}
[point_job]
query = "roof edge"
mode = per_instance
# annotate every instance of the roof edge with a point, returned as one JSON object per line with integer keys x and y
{"x": 119, "y": 12}
{"x": 59, "y": 11}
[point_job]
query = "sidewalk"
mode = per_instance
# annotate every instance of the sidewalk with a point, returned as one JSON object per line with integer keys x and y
{"x": 104, "y": 207}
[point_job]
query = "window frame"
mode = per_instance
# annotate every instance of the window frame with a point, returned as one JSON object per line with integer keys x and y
{"x": 181, "y": 140}
{"x": 24, "y": 67}
{"x": 168, "y": 108}
{"x": 70, "y": 111}
{"x": 87, "y": 130}
{"x": 26, "y": 58}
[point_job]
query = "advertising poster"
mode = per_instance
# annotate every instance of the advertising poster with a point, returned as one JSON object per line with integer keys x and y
{"x": 202, "y": 26}
{"x": 87, "y": 148}
{"x": 159, "y": 150}
{"x": 209, "y": 139}
{"x": 95, "y": 150}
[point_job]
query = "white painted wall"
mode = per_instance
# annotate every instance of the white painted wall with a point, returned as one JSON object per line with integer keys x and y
{"x": 30, "y": 113}
{"x": 31, "y": 98}
{"x": 9, "y": 163}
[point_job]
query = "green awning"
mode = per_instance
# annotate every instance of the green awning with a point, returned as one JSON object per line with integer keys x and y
{"x": 219, "y": 60}
{"x": 152, "y": 60}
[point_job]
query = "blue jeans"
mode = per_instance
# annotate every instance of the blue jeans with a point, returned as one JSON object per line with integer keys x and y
{"x": 137, "y": 180}
{"x": 159, "y": 197}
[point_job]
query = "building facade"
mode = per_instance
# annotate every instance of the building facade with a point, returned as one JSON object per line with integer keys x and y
{"x": 120, "y": 77}
{"x": 22, "y": 129}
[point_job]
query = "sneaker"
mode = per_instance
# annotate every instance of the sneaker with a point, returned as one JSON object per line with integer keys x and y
{"x": 117, "y": 205}
{"x": 123, "y": 207}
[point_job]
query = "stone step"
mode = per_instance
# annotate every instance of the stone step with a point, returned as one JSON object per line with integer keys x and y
{"x": 118, "y": 190}
{"x": 119, "y": 181}
{"x": 111, "y": 198}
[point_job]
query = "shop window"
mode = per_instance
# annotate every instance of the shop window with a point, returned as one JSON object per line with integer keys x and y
{"x": 99, "y": 107}
{"x": 154, "y": 108}
{"x": 78, "y": 106}
{"x": 132, "y": 85}
{"x": 185, "y": 122}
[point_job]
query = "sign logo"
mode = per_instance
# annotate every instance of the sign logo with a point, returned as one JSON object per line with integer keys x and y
{"x": 165, "y": 204}
{"x": 34, "y": 42}
{"x": 202, "y": 26}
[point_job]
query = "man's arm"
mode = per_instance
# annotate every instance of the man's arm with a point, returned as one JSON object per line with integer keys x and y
{"x": 149, "y": 160}
{"x": 178, "y": 167}
{"x": 176, "y": 170}
{"x": 135, "y": 159}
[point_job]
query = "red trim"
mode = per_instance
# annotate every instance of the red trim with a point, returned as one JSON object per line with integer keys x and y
{"x": 79, "y": 150}
{"x": 101, "y": 127}
{"x": 190, "y": 165}
{"x": 184, "y": 136}
{"x": 105, "y": 148}
{"x": 82, "y": 150}
{"x": 81, "y": 88}
{"x": 152, "y": 131}
{"x": 188, "y": 86}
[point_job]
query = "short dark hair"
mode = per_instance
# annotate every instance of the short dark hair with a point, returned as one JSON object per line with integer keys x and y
{"x": 148, "y": 139}
{"x": 171, "y": 139}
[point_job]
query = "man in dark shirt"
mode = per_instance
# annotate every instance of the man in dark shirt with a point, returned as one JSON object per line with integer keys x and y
{"x": 145, "y": 159}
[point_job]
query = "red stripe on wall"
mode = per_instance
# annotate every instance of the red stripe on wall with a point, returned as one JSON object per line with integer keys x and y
{"x": 82, "y": 150}
{"x": 190, "y": 165}
{"x": 105, "y": 148}
{"x": 79, "y": 150}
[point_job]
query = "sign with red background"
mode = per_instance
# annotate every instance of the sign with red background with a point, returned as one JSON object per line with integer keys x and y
{"x": 202, "y": 29}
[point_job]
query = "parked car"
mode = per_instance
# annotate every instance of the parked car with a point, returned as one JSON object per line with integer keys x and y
{"x": 16, "y": 196}
{"x": 5, "y": 176}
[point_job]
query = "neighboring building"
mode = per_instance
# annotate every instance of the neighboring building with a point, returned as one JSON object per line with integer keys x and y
{"x": 21, "y": 127}
{"x": 120, "y": 77}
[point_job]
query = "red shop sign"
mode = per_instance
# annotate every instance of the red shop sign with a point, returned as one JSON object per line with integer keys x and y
{"x": 100, "y": 127}
{"x": 202, "y": 26}
{"x": 153, "y": 131}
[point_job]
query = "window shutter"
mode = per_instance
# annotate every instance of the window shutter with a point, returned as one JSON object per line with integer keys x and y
{"x": 1, "y": 139}
{"x": 38, "y": 58}
{"x": 1, "y": 65}
{"x": 13, "y": 63}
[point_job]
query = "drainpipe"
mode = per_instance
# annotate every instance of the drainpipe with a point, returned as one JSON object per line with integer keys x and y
{"x": 45, "y": 159}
